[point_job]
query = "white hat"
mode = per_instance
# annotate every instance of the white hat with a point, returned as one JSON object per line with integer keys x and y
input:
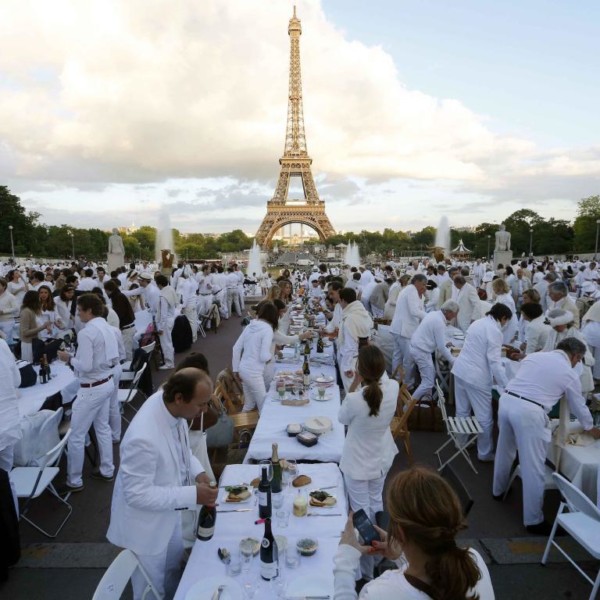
{"x": 146, "y": 276}
{"x": 559, "y": 317}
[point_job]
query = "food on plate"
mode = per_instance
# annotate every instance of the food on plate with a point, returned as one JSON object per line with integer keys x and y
{"x": 237, "y": 493}
{"x": 255, "y": 482}
{"x": 321, "y": 498}
{"x": 306, "y": 438}
{"x": 301, "y": 480}
{"x": 307, "y": 546}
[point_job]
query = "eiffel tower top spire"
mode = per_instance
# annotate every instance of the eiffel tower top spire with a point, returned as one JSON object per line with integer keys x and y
{"x": 295, "y": 138}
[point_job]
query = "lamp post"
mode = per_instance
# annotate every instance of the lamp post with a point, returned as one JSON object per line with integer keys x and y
{"x": 530, "y": 242}
{"x": 72, "y": 245}
{"x": 12, "y": 243}
{"x": 489, "y": 237}
{"x": 597, "y": 228}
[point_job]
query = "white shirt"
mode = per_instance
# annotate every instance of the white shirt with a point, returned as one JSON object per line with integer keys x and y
{"x": 252, "y": 349}
{"x": 90, "y": 362}
{"x": 544, "y": 377}
{"x": 431, "y": 335}
{"x": 409, "y": 312}
{"x": 10, "y": 430}
{"x": 87, "y": 284}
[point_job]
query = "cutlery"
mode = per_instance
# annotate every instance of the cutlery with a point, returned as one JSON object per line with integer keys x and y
{"x": 307, "y": 597}
{"x": 235, "y": 510}
{"x": 218, "y": 592}
{"x": 322, "y": 515}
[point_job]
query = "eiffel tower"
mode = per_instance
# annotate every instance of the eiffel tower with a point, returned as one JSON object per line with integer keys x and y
{"x": 295, "y": 162}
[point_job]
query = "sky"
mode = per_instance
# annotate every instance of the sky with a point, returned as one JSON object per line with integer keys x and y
{"x": 414, "y": 109}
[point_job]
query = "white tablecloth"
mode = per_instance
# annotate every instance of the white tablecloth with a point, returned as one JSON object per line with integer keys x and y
{"x": 231, "y": 527}
{"x": 275, "y": 417}
{"x": 63, "y": 380}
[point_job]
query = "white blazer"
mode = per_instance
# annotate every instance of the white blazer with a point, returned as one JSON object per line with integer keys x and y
{"x": 149, "y": 495}
{"x": 469, "y": 307}
{"x": 369, "y": 447}
{"x": 410, "y": 311}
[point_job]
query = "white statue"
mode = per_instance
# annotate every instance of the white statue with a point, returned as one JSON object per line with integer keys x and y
{"x": 116, "y": 251}
{"x": 502, "y": 239}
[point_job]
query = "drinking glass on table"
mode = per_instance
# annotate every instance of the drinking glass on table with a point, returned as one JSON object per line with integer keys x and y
{"x": 289, "y": 472}
{"x": 281, "y": 389}
{"x": 246, "y": 554}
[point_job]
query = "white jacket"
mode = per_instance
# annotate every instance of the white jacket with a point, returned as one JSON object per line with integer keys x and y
{"x": 469, "y": 307}
{"x": 409, "y": 312}
{"x": 10, "y": 376}
{"x": 253, "y": 348}
{"x": 149, "y": 495}
{"x": 480, "y": 357}
{"x": 369, "y": 447}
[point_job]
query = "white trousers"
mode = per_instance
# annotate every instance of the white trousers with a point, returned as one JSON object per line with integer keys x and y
{"x": 191, "y": 314}
{"x": 114, "y": 414}
{"x": 241, "y": 296}
{"x": 204, "y": 304}
{"x": 128, "y": 335}
{"x": 424, "y": 362}
{"x": 402, "y": 357}
{"x": 223, "y": 303}
{"x": 233, "y": 301}
{"x": 523, "y": 427}
{"x": 164, "y": 569}
{"x": 166, "y": 343}
{"x": 368, "y": 495}
{"x": 27, "y": 351}
{"x": 254, "y": 390}
{"x": 469, "y": 398}
{"x": 91, "y": 407}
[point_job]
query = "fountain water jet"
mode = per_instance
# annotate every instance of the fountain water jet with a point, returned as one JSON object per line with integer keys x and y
{"x": 442, "y": 238}
{"x": 164, "y": 235}
{"x": 254, "y": 261}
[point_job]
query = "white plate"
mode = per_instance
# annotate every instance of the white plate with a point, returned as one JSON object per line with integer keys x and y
{"x": 318, "y": 425}
{"x": 316, "y": 584}
{"x": 314, "y": 395}
{"x": 223, "y": 500}
{"x": 206, "y": 587}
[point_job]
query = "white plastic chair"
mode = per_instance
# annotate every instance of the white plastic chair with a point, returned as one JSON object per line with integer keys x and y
{"x": 582, "y": 523}
{"x": 115, "y": 579}
{"x": 126, "y": 395}
{"x": 128, "y": 375}
{"x": 549, "y": 483}
{"x": 30, "y": 482}
{"x": 462, "y": 432}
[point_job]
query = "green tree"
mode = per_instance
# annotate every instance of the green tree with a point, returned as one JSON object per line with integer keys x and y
{"x": 586, "y": 226}
{"x": 23, "y": 223}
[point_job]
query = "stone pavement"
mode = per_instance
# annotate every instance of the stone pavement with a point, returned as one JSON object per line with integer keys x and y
{"x": 69, "y": 567}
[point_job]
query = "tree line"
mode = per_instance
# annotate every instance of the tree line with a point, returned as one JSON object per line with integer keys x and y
{"x": 529, "y": 231}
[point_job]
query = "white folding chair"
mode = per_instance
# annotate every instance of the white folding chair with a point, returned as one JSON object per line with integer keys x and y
{"x": 126, "y": 395}
{"x": 115, "y": 579}
{"x": 127, "y": 374}
{"x": 30, "y": 482}
{"x": 462, "y": 432}
{"x": 549, "y": 483}
{"x": 582, "y": 523}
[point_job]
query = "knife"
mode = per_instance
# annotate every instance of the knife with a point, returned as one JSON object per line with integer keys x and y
{"x": 307, "y": 597}
{"x": 320, "y": 515}
{"x": 235, "y": 510}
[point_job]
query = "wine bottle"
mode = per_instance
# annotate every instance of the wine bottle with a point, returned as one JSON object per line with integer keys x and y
{"x": 320, "y": 346}
{"x": 264, "y": 496}
{"x": 276, "y": 481}
{"x": 43, "y": 372}
{"x": 306, "y": 348}
{"x": 269, "y": 556}
{"x": 306, "y": 372}
{"x": 207, "y": 519}
{"x": 48, "y": 372}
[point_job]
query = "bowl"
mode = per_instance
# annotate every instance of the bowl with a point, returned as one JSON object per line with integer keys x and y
{"x": 307, "y": 546}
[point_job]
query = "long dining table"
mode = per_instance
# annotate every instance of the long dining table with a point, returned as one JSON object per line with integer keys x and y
{"x": 275, "y": 416}
{"x": 314, "y": 574}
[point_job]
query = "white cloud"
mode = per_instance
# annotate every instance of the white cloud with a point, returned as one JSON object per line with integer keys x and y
{"x": 102, "y": 92}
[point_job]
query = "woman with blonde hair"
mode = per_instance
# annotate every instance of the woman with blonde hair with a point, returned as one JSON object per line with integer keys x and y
{"x": 502, "y": 295}
{"x": 425, "y": 517}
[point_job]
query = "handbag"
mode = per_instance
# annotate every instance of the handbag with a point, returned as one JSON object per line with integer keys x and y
{"x": 28, "y": 374}
{"x": 426, "y": 416}
{"x": 220, "y": 435}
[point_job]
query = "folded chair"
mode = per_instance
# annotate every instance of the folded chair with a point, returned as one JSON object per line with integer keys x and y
{"x": 114, "y": 581}
{"x": 30, "y": 482}
{"x": 399, "y": 425}
{"x": 462, "y": 433}
{"x": 581, "y": 522}
{"x": 127, "y": 395}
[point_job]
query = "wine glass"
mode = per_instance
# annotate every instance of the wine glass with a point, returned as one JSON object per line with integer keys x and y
{"x": 290, "y": 472}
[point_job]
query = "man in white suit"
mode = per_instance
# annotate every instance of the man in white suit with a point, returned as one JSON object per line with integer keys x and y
{"x": 158, "y": 478}
{"x": 465, "y": 295}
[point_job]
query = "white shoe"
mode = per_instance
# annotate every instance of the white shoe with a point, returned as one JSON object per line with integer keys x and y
{"x": 166, "y": 367}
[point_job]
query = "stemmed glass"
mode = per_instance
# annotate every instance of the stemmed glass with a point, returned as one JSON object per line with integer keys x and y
{"x": 289, "y": 472}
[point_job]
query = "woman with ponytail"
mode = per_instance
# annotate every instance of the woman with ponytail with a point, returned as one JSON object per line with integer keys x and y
{"x": 425, "y": 517}
{"x": 369, "y": 448}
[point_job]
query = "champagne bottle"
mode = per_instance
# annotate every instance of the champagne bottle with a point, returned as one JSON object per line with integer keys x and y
{"x": 306, "y": 348}
{"x": 269, "y": 556}
{"x": 276, "y": 481}
{"x": 48, "y": 372}
{"x": 207, "y": 519}
{"x": 264, "y": 496}
{"x": 320, "y": 346}
{"x": 306, "y": 372}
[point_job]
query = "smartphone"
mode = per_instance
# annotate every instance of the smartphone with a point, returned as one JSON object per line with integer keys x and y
{"x": 365, "y": 528}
